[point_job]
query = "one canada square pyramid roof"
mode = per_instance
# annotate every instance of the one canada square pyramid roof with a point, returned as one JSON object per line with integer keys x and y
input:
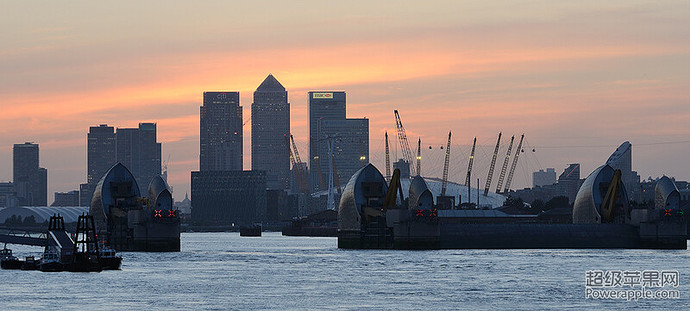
{"x": 270, "y": 84}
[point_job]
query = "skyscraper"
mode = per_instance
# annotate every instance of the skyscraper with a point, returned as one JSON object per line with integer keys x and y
{"x": 350, "y": 137}
{"x": 138, "y": 150}
{"x": 100, "y": 157}
{"x": 323, "y": 105}
{"x": 270, "y": 125}
{"x": 220, "y": 132}
{"x": 100, "y": 154}
{"x": 30, "y": 180}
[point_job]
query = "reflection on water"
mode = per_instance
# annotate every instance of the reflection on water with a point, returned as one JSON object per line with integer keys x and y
{"x": 219, "y": 271}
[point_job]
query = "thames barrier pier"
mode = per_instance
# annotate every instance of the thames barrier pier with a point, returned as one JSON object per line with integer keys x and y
{"x": 371, "y": 216}
{"x": 128, "y": 221}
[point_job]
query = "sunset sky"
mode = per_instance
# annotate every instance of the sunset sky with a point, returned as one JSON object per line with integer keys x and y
{"x": 577, "y": 77}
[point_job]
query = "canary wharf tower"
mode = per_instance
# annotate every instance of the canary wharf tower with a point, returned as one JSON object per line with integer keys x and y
{"x": 270, "y": 126}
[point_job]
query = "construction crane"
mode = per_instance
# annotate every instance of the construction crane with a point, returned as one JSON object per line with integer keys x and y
{"x": 336, "y": 177}
{"x": 165, "y": 169}
{"x": 402, "y": 137}
{"x": 296, "y": 167}
{"x": 419, "y": 157}
{"x": 444, "y": 182}
{"x": 388, "y": 160}
{"x": 505, "y": 165}
{"x": 292, "y": 157}
{"x": 322, "y": 184}
{"x": 512, "y": 167}
{"x": 332, "y": 176}
{"x": 302, "y": 175}
{"x": 469, "y": 170}
{"x": 491, "y": 168}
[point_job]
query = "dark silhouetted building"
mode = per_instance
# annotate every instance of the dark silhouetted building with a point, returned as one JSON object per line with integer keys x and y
{"x": 544, "y": 178}
{"x": 322, "y": 106}
{"x": 138, "y": 150}
{"x": 572, "y": 172}
{"x": 66, "y": 198}
{"x": 568, "y": 185}
{"x": 100, "y": 157}
{"x": 403, "y": 166}
{"x": 569, "y": 181}
{"x": 220, "y": 132}
{"x": 30, "y": 180}
{"x": 281, "y": 206}
{"x": 8, "y": 197}
{"x": 270, "y": 126}
{"x": 350, "y": 138}
{"x": 224, "y": 198}
{"x": 184, "y": 206}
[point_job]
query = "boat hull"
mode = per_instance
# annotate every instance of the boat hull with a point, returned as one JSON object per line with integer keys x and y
{"x": 111, "y": 263}
{"x": 12, "y": 264}
{"x": 51, "y": 267}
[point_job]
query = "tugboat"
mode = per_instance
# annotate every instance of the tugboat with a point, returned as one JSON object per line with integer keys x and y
{"x": 50, "y": 261}
{"x": 30, "y": 263}
{"x": 9, "y": 261}
{"x": 109, "y": 260}
{"x": 250, "y": 230}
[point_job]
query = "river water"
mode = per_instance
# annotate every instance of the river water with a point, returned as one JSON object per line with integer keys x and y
{"x": 223, "y": 271}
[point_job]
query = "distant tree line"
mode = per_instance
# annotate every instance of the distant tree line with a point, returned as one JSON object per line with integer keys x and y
{"x": 18, "y": 221}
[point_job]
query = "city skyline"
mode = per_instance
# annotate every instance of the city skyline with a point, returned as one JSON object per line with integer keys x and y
{"x": 584, "y": 77}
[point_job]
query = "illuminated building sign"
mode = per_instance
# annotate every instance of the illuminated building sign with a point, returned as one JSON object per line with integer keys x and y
{"x": 322, "y": 95}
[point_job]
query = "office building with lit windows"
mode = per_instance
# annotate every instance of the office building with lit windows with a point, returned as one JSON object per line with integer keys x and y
{"x": 270, "y": 126}
{"x": 220, "y": 134}
{"x": 350, "y": 138}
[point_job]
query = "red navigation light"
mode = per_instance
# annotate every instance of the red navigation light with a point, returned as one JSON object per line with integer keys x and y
{"x": 171, "y": 213}
{"x": 157, "y": 213}
{"x": 420, "y": 213}
{"x": 432, "y": 213}
{"x": 667, "y": 212}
